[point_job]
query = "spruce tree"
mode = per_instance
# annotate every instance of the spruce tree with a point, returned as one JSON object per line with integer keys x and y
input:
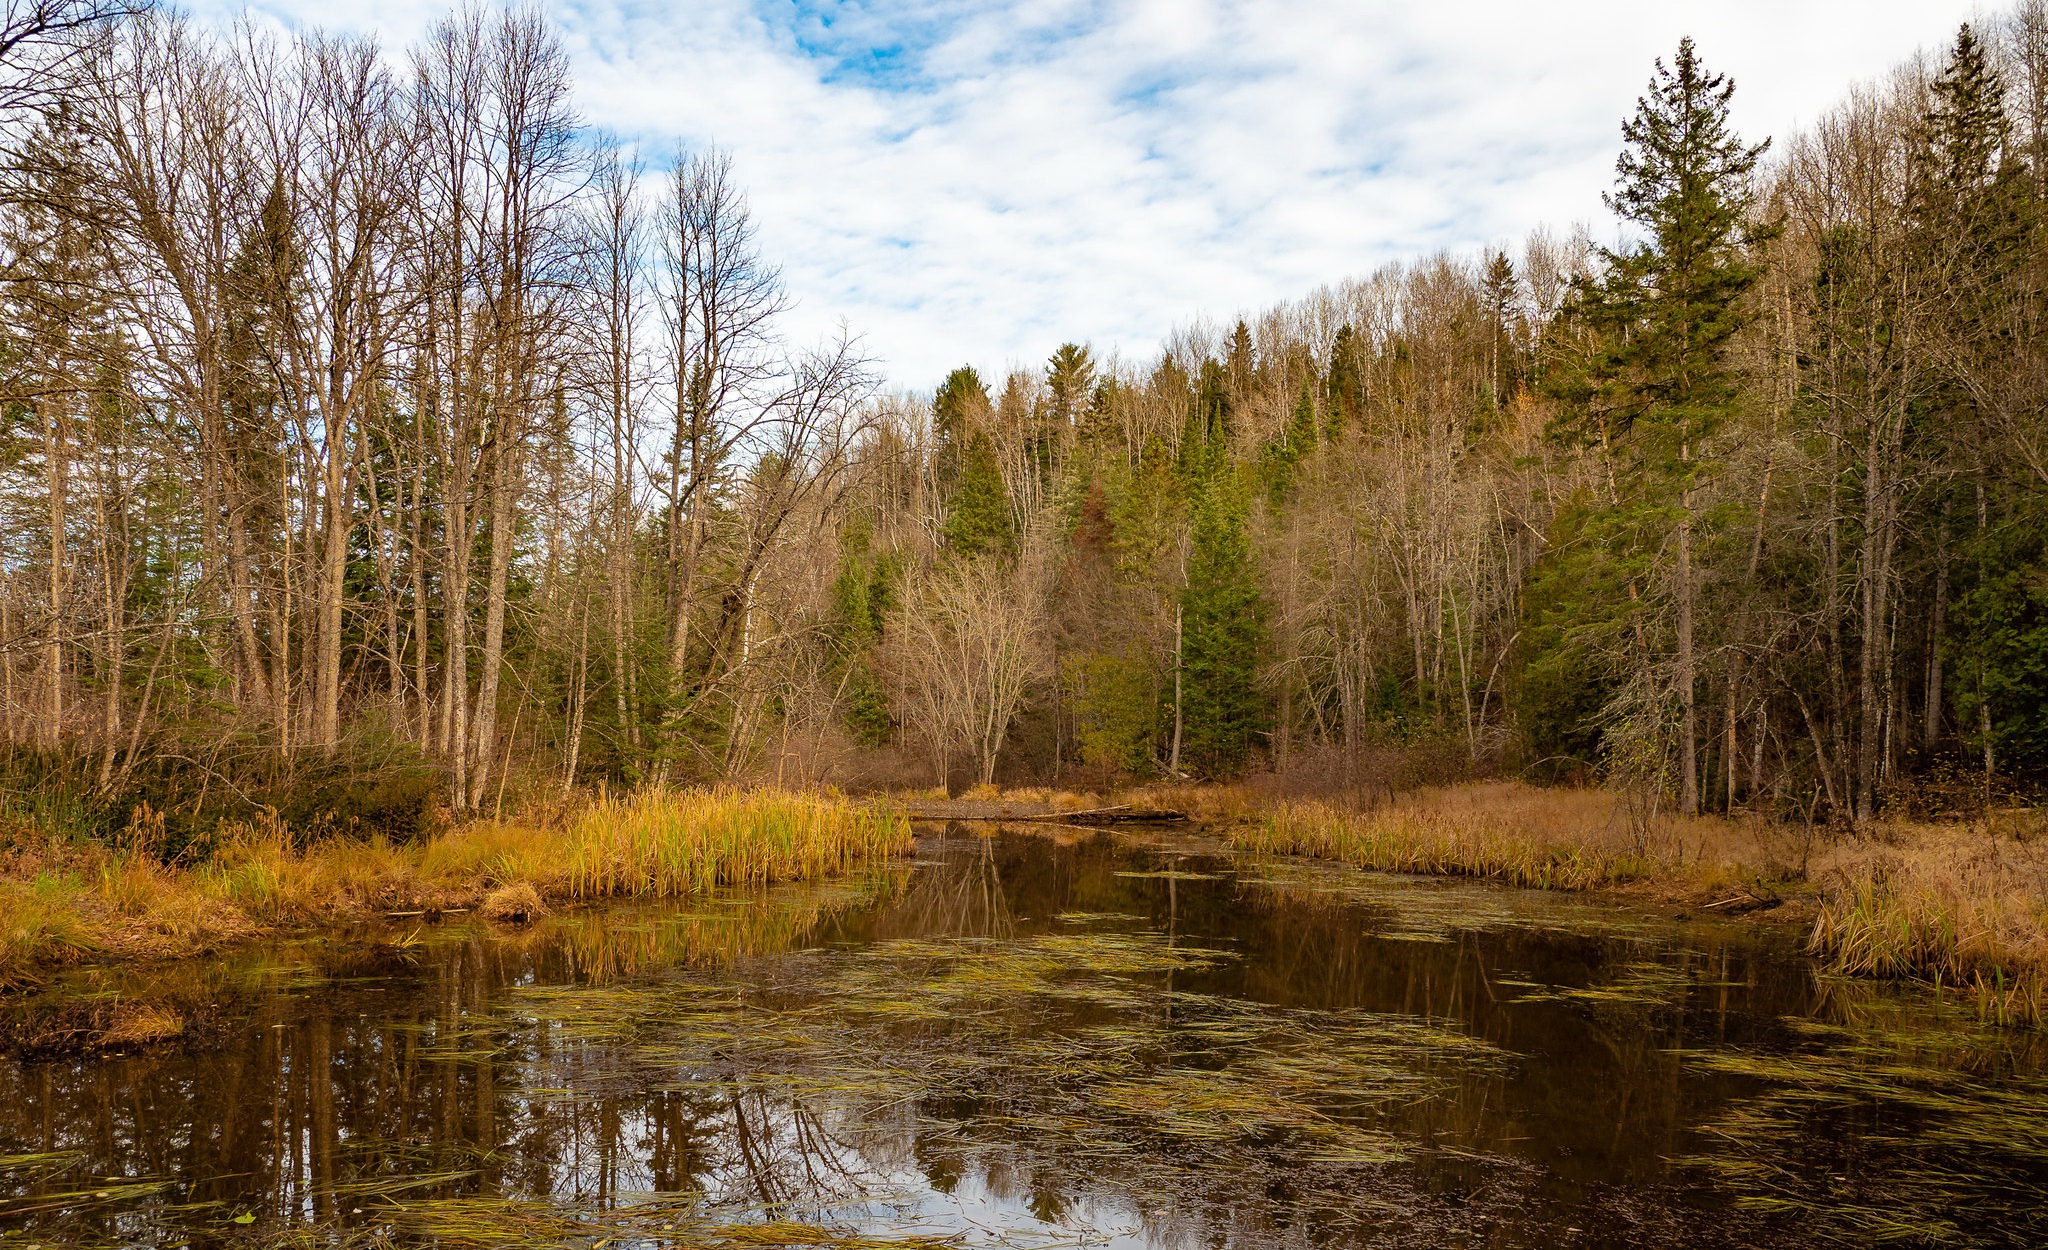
{"x": 1223, "y": 630}
{"x": 961, "y": 403}
{"x": 979, "y": 521}
{"x": 1668, "y": 307}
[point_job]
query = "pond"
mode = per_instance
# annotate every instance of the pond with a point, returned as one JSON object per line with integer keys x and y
{"x": 1030, "y": 1038}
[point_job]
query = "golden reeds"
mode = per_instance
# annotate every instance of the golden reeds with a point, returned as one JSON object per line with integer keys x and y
{"x": 1506, "y": 840}
{"x": 659, "y": 843}
{"x": 1955, "y": 906}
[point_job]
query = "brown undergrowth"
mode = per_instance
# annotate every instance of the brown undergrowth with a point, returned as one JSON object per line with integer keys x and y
{"x": 64, "y": 901}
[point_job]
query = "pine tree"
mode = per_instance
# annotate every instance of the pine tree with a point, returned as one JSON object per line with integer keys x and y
{"x": 1503, "y": 292}
{"x": 1223, "y": 624}
{"x": 1344, "y": 383}
{"x": 979, "y": 521}
{"x": 961, "y": 405}
{"x": 1668, "y": 307}
{"x": 1070, "y": 376}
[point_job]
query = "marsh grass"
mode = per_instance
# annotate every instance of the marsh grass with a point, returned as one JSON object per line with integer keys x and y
{"x": 62, "y": 901}
{"x": 1960, "y": 907}
{"x": 1519, "y": 835}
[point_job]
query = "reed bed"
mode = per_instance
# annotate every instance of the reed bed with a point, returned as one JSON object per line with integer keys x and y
{"x": 1955, "y": 906}
{"x": 670, "y": 843}
{"x": 1553, "y": 840}
{"x": 62, "y": 902}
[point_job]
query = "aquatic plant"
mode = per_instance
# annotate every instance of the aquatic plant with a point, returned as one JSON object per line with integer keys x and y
{"x": 1494, "y": 843}
{"x": 674, "y": 842}
{"x": 126, "y": 902}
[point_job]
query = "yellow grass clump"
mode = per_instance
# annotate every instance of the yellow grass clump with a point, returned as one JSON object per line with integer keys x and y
{"x": 1956, "y": 905}
{"x": 1544, "y": 839}
{"x": 59, "y": 903}
{"x": 667, "y": 843}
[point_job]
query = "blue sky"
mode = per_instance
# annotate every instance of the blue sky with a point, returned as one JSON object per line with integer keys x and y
{"x": 967, "y": 182}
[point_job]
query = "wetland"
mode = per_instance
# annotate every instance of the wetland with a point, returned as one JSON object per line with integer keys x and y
{"x": 1023, "y": 1037}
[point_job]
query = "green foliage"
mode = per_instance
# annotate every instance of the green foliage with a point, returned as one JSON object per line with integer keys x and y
{"x": 979, "y": 522}
{"x": 1223, "y": 623}
{"x": 1070, "y": 377}
{"x": 861, "y": 597}
{"x": 961, "y": 404}
{"x": 1574, "y": 617}
{"x": 2001, "y": 648}
{"x": 1114, "y": 710}
{"x": 1344, "y": 383}
{"x": 1279, "y": 458}
{"x": 1205, "y": 438}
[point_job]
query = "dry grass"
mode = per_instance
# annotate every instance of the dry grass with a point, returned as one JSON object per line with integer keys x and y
{"x": 1501, "y": 831}
{"x": 61, "y": 902}
{"x": 1956, "y": 905}
{"x": 140, "y": 1024}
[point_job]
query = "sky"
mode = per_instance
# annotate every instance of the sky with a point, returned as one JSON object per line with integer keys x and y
{"x": 979, "y": 181}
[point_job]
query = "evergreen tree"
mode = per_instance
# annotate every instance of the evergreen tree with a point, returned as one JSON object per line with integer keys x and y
{"x": 1297, "y": 439}
{"x": 1667, "y": 308}
{"x": 1070, "y": 377}
{"x": 1344, "y": 382}
{"x": 1205, "y": 439}
{"x": 961, "y": 405}
{"x": 860, "y": 600}
{"x": 1223, "y": 630}
{"x": 1502, "y": 287}
{"x": 979, "y": 521}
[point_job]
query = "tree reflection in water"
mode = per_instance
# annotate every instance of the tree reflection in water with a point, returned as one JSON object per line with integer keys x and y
{"x": 1024, "y": 1038}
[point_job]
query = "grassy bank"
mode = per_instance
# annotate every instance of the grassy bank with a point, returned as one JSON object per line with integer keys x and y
{"x": 1961, "y": 906}
{"x": 62, "y": 901}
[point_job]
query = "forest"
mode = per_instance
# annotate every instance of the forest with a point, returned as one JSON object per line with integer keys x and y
{"x": 377, "y": 437}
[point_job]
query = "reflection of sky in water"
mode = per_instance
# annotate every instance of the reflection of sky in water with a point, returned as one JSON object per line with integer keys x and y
{"x": 1030, "y": 1041}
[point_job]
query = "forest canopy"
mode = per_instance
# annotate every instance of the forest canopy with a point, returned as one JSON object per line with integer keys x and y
{"x": 363, "y": 413}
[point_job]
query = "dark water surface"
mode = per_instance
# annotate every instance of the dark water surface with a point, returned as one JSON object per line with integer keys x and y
{"x": 1035, "y": 1040}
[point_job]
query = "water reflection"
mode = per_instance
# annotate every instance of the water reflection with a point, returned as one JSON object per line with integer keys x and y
{"x": 1030, "y": 1039}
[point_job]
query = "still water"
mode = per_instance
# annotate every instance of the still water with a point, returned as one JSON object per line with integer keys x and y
{"x": 1033, "y": 1039}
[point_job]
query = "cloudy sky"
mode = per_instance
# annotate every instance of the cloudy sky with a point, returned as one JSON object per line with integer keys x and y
{"x": 980, "y": 180}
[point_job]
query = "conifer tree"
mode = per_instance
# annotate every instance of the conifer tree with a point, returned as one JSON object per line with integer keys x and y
{"x": 1344, "y": 382}
{"x": 1668, "y": 307}
{"x": 1223, "y": 624}
{"x": 961, "y": 403}
{"x": 979, "y": 522}
{"x": 1070, "y": 377}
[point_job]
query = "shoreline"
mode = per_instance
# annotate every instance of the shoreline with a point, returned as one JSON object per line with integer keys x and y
{"x": 1954, "y": 907}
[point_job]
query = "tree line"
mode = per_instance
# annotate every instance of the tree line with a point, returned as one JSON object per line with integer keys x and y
{"x": 360, "y": 404}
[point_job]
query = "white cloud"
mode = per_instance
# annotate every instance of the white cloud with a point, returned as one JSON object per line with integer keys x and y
{"x": 979, "y": 182}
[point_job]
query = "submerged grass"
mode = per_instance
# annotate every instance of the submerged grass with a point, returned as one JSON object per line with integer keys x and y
{"x": 61, "y": 902}
{"x": 1973, "y": 1110}
{"x": 1068, "y": 1044}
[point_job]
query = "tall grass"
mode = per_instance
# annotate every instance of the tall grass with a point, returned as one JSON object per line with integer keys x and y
{"x": 1956, "y": 906}
{"x": 1555, "y": 840}
{"x": 40, "y": 924}
{"x": 667, "y": 843}
{"x": 63, "y": 900}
